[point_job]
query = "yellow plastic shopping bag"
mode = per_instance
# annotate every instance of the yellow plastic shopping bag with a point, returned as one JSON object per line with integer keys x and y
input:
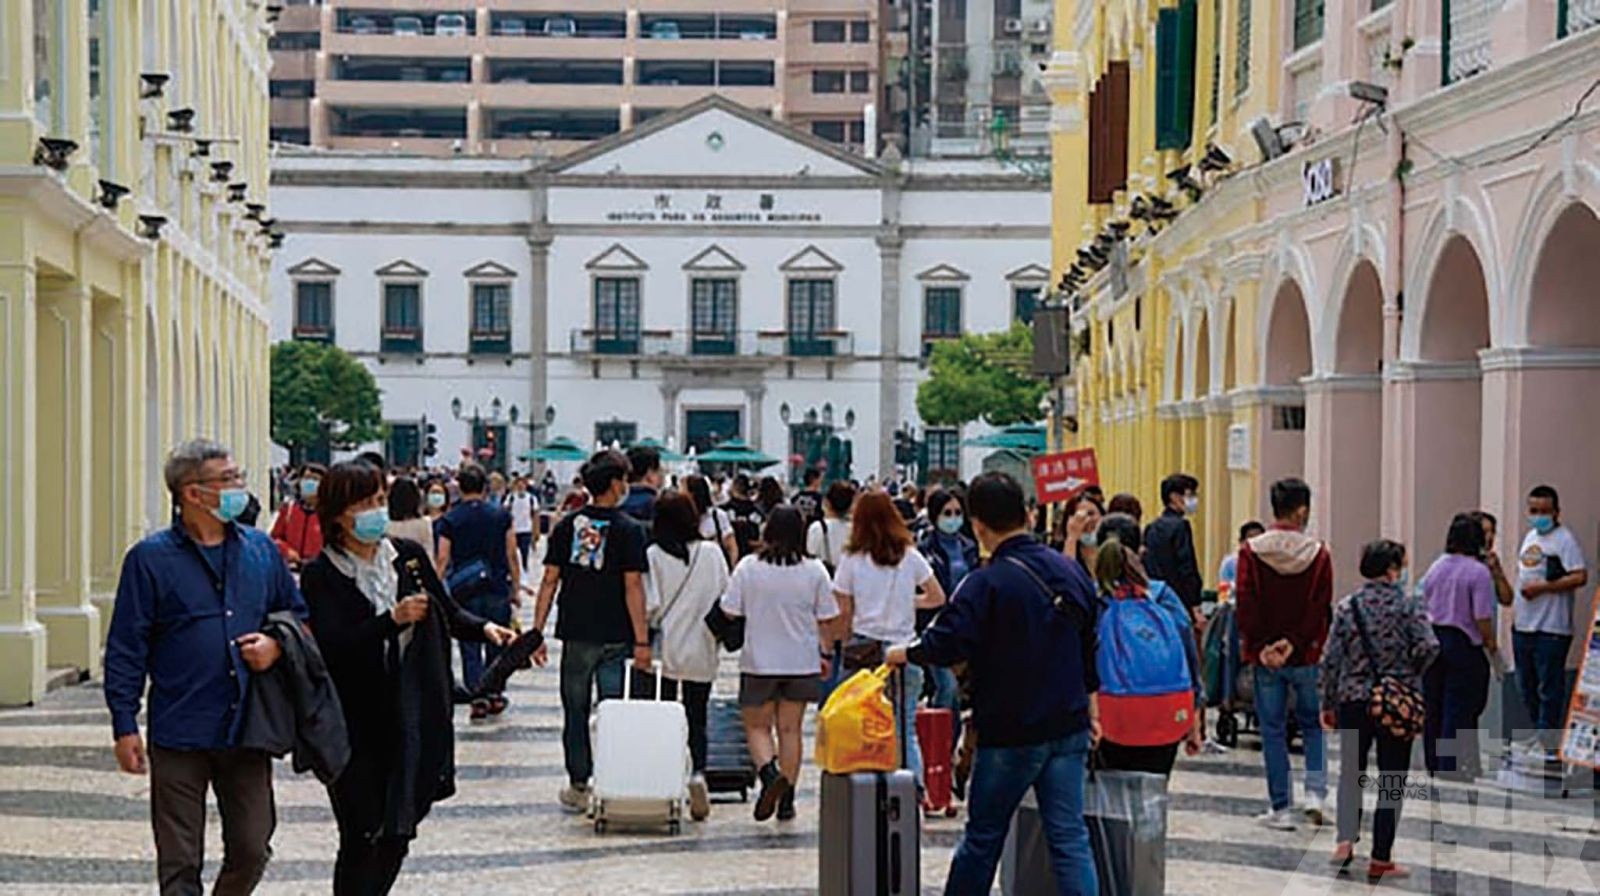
{"x": 855, "y": 730}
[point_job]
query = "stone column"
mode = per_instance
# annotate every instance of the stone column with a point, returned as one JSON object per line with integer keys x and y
{"x": 1344, "y": 439}
{"x": 889, "y": 245}
{"x": 669, "y": 407}
{"x": 539, "y": 318}
{"x": 22, "y": 638}
{"x": 755, "y": 399}
{"x": 1216, "y": 484}
{"x": 63, "y": 468}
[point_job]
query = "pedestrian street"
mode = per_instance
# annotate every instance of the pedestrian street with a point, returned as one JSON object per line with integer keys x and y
{"x": 71, "y": 823}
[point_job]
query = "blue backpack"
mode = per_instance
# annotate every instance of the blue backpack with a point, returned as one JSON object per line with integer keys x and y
{"x": 1146, "y": 688}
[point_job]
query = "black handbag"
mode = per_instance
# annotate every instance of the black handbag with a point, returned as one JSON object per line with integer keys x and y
{"x": 1394, "y": 706}
{"x": 728, "y": 630}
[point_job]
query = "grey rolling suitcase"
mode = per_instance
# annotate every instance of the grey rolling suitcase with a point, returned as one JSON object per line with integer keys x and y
{"x": 1127, "y": 817}
{"x": 870, "y": 839}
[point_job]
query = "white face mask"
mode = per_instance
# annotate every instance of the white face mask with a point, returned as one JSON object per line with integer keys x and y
{"x": 1191, "y": 504}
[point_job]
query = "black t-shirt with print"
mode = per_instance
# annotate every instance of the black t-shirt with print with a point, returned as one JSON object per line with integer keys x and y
{"x": 809, "y": 503}
{"x": 592, "y": 548}
{"x": 747, "y": 521}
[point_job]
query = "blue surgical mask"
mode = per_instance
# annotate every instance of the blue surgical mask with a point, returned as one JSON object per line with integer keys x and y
{"x": 308, "y": 488}
{"x": 435, "y": 499}
{"x": 1404, "y": 582}
{"x": 1089, "y": 539}
{"x": 950, "y": 525}
{"x": 1542, "y": 523}
{"x": 1191, "y": 505}
{"x": 371, "y": 524}
{"x": 230, "y": 503}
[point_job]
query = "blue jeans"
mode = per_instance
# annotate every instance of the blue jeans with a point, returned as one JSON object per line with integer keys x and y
{"x": 586, "y": 665}
{"x": 906, "y": 721}
{"x": 946, "y": 692}
{"x": 476, "y": 655}
{"x": 1272, "y": 710}
{"x": 1542, "y": 676}
{"x": 1000, "y": 777}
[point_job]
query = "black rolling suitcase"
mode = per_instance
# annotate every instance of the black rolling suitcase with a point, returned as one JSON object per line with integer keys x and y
{"x": 870, "y": 839}
{"x": 728, "y": 766}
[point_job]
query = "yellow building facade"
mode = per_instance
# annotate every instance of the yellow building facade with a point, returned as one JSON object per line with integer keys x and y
{"x": 1371, "y": 283}
{"x": 132, "y": 293}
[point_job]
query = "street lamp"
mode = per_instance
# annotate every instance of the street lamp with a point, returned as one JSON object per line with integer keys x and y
{"x": 455, "y": 408}
{"x": 783, "y": 412}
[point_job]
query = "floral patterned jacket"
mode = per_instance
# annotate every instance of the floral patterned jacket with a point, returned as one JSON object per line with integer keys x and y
{"x": 1401, "y": 636}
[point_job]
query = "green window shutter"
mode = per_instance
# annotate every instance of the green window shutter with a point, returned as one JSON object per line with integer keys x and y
{"x": 1241, "y": 59}
{"x": 1188, "y": 34}
{"x": 1166, "y": 78}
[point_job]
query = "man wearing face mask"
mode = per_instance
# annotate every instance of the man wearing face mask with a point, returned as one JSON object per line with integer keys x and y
{"x": 296, "y": 531}
{"x": 1550, "y": 570}
{"x": 187, "y": 617}
{"x": 1169, "y": 541}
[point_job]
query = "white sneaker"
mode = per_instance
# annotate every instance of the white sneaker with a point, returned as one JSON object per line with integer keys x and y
{"x": 699, "y": 798}
{"x": 1277, "y": 820}
{"x": 575, "y": 797}
{"x": 1315, "y": 809}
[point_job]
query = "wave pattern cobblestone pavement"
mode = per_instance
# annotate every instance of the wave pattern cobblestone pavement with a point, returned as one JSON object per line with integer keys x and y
{"x": 71, "y": 823}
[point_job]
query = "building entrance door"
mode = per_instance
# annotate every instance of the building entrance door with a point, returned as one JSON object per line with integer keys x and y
{"x": 705, "y": 428}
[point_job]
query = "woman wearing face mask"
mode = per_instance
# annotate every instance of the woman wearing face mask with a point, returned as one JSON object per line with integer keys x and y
{"x": 383, "y": 623}
{"x": 1079, "y": 530}
{"x": 1377, "y": 632}
{"x": 296, "y": 531}
{"x": 952, "y": 555}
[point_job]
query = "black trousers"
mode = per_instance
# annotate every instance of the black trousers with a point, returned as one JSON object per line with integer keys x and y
{"x": 366, "y": 865}
{"x": 524, "y": 545}
{"x": 1357, "y": 737}
{"x": 695, "y": 696}
{"x": 242, "y": 781}
{"x": 1156, "y": 760}
{"x": 1457, "y": 690}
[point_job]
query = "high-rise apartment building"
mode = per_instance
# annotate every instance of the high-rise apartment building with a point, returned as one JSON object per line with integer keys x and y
{"x": 514, "y": 77}
{"x": 964, "y": 76}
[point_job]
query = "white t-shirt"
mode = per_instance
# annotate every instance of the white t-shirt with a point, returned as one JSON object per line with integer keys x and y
{"x": 521, "y": 507}
{"x": 781, "y": 606}
{"x": 688, "y": 649}
{"x": 829, "y": 547}
{"x": 1550, "y": 613}
{"x": 715, "y": 525}
{"x": 885, "y": 596}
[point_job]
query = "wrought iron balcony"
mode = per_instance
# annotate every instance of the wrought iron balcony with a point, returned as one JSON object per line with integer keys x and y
{"x": 666, "y": 345}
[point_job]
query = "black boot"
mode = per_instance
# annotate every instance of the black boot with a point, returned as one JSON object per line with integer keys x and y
{"x": 773, "y": 786}
{"x": 786, "y": 806}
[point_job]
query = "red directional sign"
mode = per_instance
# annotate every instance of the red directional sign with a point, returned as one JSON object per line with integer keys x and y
{"x": 1060, "y": 477}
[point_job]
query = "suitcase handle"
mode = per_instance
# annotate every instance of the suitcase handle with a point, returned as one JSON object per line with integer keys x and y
{"x": 627, "y": 679}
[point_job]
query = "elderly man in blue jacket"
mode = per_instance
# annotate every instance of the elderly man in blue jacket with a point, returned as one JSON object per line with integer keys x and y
{"x": 1025, "y": 626}
{"x": 188, "y": 616}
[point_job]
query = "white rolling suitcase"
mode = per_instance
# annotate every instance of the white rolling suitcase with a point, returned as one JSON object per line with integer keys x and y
{"x": 641, "y": 761}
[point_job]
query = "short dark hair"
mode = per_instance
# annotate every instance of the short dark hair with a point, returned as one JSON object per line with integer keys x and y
{"x": 811, "y": 476}
{"x": 1465, "y": 536}
{"x": 699, "y": 491}
{"x": 472, "y": 479}
{"x": 783, "y": 539}
{"x": 995, "y": 499}
{"x": 346, "y": 483}
{"x": 936, "y": 500}
{"x": 1251, "y": 529}
{"x": 602, "y": 469}
{"x": 1177, "y": 484}
{"x": 1380, "y": 556}
{"x": 840, "y": 496}
{"x": 1484, "y": 516}
{"x": 677, "y": 523}
{"x": 1123, "y": 502}
{"x": 1289, "y": 495}
{"x": 313, "y": 468}
{"x": 1546, "y": 491}
{"x": 1124, "y": 528}
{"x": 642, "y": 461}
{"x": 375, "y": 459}
{"x": 405, "y": 499}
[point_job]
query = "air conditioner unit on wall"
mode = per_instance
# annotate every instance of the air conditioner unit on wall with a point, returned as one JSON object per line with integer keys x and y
{"x": 1013, "y": 26}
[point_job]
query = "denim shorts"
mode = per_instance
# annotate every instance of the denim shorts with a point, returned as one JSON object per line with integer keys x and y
{"x": 759, "y": 690}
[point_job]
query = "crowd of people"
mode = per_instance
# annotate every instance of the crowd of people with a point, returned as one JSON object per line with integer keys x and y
{"x": 1061, "y": 648}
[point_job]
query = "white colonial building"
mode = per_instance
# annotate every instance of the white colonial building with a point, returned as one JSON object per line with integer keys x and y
{"x": 710, "y": 273}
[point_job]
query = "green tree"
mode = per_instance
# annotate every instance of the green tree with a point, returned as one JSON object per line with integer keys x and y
{"x": 982, "y": 376}
{"x": 321, "y": 393}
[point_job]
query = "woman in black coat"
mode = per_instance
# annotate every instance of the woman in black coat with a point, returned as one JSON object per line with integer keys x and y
{"x": 384, "y": 622}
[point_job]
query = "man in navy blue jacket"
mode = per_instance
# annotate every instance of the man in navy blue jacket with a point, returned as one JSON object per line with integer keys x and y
{"x": 188, "y": 617}
{"x": 1025, "y": 626}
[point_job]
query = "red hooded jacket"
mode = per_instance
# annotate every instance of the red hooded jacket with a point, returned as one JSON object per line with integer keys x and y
{"x": 297, "y": 529}
{"x": 1284, "y": 590}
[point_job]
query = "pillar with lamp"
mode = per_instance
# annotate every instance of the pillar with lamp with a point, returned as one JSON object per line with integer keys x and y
{"x": 815, "y": 442}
